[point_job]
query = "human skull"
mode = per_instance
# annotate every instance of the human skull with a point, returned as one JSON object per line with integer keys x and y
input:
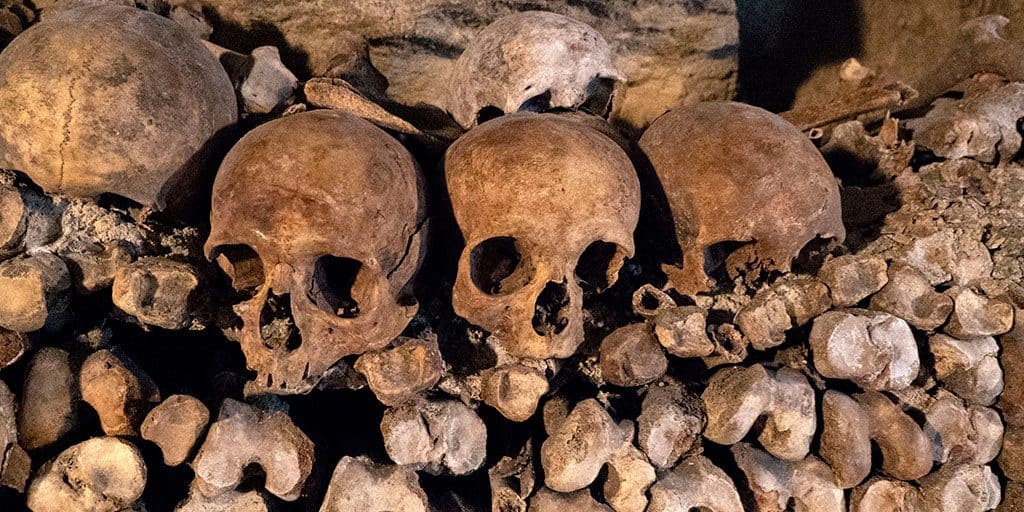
{"x": 111, "y": 99}
{"x": 531, "y": 60}
{"x": 545, "y": 204}
{"x": 737, "y": 174}
{"x": 318, "y": 216}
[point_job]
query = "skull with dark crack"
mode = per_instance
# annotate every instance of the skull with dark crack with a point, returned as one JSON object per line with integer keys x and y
{"x": 318, "y": 218}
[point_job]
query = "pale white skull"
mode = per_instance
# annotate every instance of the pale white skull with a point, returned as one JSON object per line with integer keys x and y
{"x": 319, "y": 216}
{"x": 545, "y": 203}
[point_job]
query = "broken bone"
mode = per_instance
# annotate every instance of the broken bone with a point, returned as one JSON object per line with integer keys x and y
{"x": 442, "y": 436}
{"x": 157, "y": 291}
{"x": 874, "y": 350}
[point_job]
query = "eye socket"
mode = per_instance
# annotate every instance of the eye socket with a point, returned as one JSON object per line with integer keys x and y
{"x": 333, "y": 285}
{"x": 598, "y": 266}
{"x": 242, "y": 264}
{"x": 497, "y": 267}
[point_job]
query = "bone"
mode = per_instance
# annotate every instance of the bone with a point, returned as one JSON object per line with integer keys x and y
{"x": 909, "y": 296}
{"x": 30, "y": 220}
{"x": 437, "y": 436}
{"x": 965, "y": 487}
{"x": 119, "y": 392}
{"x": 1011, "y": 401}
{"x": 402, "y": 370}
{"x": 547, "y": 500}
{"x": 792, "y": 301}
{"x": 851, "y": 278}
{"x": 15, "y": 465}
{"x": 230, "y": 501}
{"x": 483, "y": 78}
{"x": 968, "y": 368}
{"x": 175, "y": 426}
{"x": 809, "y": 483}
{"x": 514, "y": 390}
{"x": 737, "y": 397}
{"x": 649, "y": 301}
{"x": 695, "y": 483}
{"x": 942, "y": 257}
{"x": 976, "y": 316}
{"x": 359, "y": 485}
{"x": 103, "y": 474}
{"x": 682, "y": 331}
{"x": 961, "y": 433}
{"x": 352, "y": 64}
{"x": 94, "y": 270}
{"x": 631, "y": 356}
{"x": 513, "y": 479}
{"x": 243, "y": 434}
{"x": 574, "y": 453}
{"x": 629, "y": 477}
{"x": 875, "y": 350}
{"x": 884, "y": 494}
{"x": 982, "y": 125}
{"x": 148, "y": 146}
{"x": 157, "y": 291}
{"x": 670, "y": 424}
{"x": 845, "y": 439}
{"x": 268, "y": 85}
{"x": 192, "y": 20}
{"x": 338, "y": 94}
{"x": 37, "y": 291}
{"x": 49, "y": 400}
{"x": 13, "y": 346}
{"x": 906, "y": 450}
{"x": 1011, "y": 457}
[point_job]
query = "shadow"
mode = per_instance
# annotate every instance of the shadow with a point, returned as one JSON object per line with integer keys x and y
{"x": 245, "y": 39}
{"x": 782, "y": 42}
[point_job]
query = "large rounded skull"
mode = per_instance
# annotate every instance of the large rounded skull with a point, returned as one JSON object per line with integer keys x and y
{"x": 545, "y": 204}
{"x": 531, "y": 61}
{"x": 111, "y": 99}
{"x": 737, "y": 175}
{"x": 318, "y": 216}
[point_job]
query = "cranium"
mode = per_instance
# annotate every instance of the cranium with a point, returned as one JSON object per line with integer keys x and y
{"x": 317, "y": 215}
{"x": 111, "y": 99}
{"x": 531, "y": 60}
{"x": 545, "y": 204}
{"x": 734, "y": 173}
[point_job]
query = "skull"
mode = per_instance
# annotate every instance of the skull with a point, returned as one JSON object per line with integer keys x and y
{"x": 736, "y": 175}
{"x": 545, "y": 204}
{"x": 317, "y": 217}
{"x": 112, "y": 99}
{"x": 532, "y": 61}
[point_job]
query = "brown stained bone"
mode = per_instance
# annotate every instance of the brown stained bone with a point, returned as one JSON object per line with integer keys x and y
{"x": 670, "y": 424}
{"x": 852, "y": 278}
{"x": 103, "y": 474}
{"x": 1011, "y": 359}
{"x": 119, "y": 392}
{"x": 231, "y": 501}
{"x": 148, "y": 146}
{"x": 982, "y": 125}
{"x": 906, "y": 450}
{"x": 443, "y": 436}
{"x": 514, "y": 390}
{"x": 791, "y": 301}
{"x": 631, "y": 356}
{"x": 175, "y": 426}
{"x": 513, "y": 479}
{"x": 789, "y": 194}
{"x": 737, "y": 397}
{"x": 351, "y": 63}
{"x": 942, "y": 257}
{"x": 809, "y": 483}
{"x": 649, "y": 301}
{"x": 13, "y": 346}
{"x": 547, "y": 500}
{"x": 695, "y": 483}
{"x": 29, "y": 219}
{"x": 331, "y": 284}
{"x": 508, "y": 64}
{"x": 268, "y": 85}
{"x": 880, "y": 493}
{"x": 15, "y": 465}
{"x": 359, "y": 485}
{"x": 36, "y": 291}
{"x": 976, "y": 316}
{"x": 968, "y": 488}
{"x": 157, "y": 291}
{"x": 845, "y": 438}
{"x": 244, "y": 435}
{"x": 574, "y": 453}
{"x": 962, "y": 433}
{"x": 1011, "y": 456}
{"x": 402, "y": 370}
{"x": 682, "y": 331}
{"x": 869, "y": 98}
{"x": 49, "y": 399}
{"x": 94, "y": 270}
{"x": 875, "y": 350}
{"x": 909, "y": 295}
{"x": 337, "y": 94}
{"x": 582, "y": 195}
{"x": 629, "y": 477}
{"x": 969, "y": 368}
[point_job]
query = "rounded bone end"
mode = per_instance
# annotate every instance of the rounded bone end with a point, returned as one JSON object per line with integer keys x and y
{"x": 103, "y": 473}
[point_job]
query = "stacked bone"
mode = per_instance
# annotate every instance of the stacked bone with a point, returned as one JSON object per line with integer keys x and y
{"x": 747, "y": 361}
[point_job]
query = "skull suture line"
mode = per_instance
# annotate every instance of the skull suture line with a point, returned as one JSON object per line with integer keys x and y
{"x": 544, "y": 203}
{"x": 738, "y": 174}
{"x": 318, "y": 215}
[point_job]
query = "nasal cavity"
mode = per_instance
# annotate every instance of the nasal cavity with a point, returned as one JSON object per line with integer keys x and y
{"x": 551, "y": 312}
{"x": 334, "y": 280}
{"x": 277, "y": 326}
{"x": 243, "y": 265}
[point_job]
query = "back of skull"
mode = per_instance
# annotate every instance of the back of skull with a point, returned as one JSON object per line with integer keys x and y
{"x": 316, "y": 219}
{"x": 547, "y": 206}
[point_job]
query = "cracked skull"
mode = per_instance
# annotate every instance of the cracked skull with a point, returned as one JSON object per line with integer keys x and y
{"x": 317, "y": 217}
{"x": 745, "y": 188}
{"x": 111, "y": 99}
{"x": 532, "y": 61}
{"x": 547, "y": 205}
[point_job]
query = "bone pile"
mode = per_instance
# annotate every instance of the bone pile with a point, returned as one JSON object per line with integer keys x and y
{"x": 223, "y": 289}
